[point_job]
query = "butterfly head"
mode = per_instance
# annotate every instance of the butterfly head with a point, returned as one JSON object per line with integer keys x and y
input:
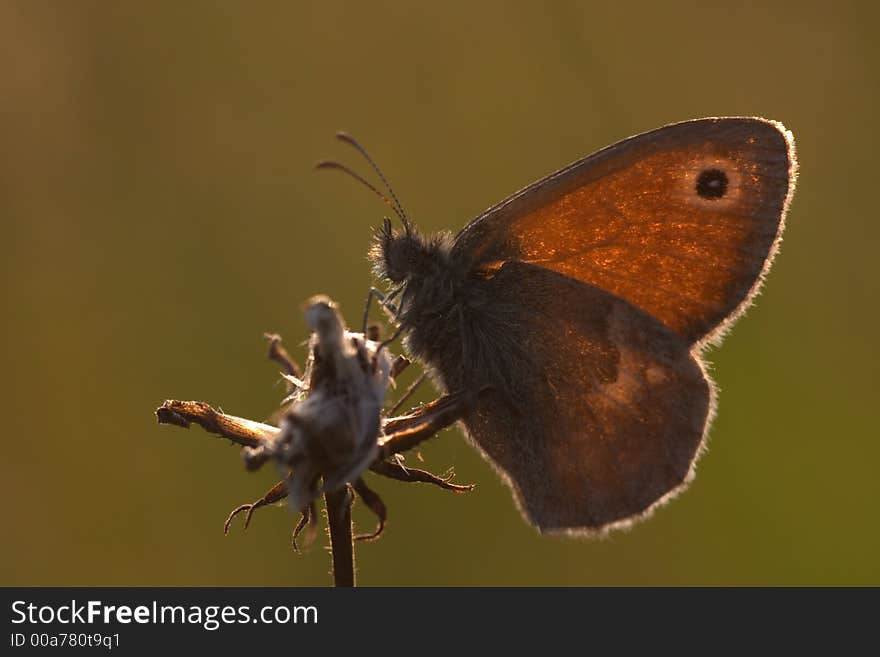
{"x": 392, "y": 253}
{"x": 401, "y": 256}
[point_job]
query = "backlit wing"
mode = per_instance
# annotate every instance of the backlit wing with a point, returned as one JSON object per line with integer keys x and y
{"x": 681, "y": 222}
{"x": 607, "y": 410}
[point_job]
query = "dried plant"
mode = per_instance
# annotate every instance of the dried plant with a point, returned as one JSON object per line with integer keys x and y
{"x": 331, "y": 429}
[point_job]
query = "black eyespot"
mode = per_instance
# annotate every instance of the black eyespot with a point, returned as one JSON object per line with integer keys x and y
{"x": 712, "y": 184}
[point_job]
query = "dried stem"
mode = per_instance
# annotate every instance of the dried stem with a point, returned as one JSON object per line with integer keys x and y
{"x": 237, "y": 429}
{"x": 279, "y": 355}
{"x": 341, "y": 540}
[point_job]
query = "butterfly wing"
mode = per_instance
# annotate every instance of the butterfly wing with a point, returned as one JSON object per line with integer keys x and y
{"x": 607, "y": 410}
{"x": 681, "y": 221}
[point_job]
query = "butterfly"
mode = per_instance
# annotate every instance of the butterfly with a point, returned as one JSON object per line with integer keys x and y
{"x": 579, "y": 308}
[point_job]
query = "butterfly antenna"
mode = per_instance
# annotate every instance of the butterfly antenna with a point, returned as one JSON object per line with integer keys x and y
{"x": 329, "y": 164}
{"x": 398, "y": 208}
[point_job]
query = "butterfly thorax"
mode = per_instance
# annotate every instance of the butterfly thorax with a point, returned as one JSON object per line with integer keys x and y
{"x": 446, "y": 309}
{"x": 434, "y": 285}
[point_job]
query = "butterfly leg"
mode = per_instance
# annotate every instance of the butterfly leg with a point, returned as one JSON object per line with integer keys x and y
{"x": 384, "y": 300}
{"x": 374, "y": 334}
{"x": 387, "y": 342}
{"x": 276, "y": 493}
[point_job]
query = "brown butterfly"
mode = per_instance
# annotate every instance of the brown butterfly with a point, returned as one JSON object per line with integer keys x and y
{"x": 581, "y": 305}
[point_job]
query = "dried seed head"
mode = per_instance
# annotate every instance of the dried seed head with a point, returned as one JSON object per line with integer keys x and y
{"x": 331, "y": 430}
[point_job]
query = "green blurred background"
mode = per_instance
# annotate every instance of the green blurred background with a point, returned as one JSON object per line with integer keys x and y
{"x": 159, "y": 211}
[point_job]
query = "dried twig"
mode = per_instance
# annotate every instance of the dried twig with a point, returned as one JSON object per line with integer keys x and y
{"x": 341, "y": 544}
{"x": 237, "y": 429}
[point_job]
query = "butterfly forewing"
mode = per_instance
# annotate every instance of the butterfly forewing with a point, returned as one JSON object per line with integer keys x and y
{"x": 681, "y": 221}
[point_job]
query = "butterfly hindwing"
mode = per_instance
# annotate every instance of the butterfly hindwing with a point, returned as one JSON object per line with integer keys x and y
{"x": 607, "y": 410}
